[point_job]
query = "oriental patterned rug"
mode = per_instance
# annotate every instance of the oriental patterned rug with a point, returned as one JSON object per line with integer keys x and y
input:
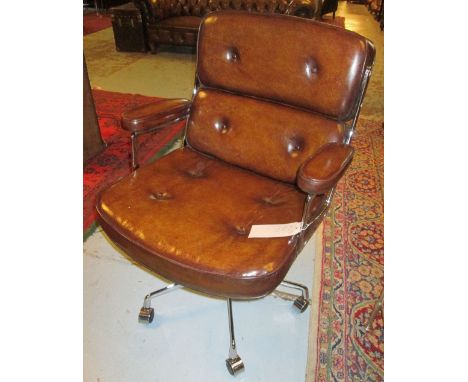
{"x": 114, "y": 161}
{"x": 95, "y": 22}
{"x": 349, "y": 272}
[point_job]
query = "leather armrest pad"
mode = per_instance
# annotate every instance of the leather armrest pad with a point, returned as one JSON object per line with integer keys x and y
{"x": 321, "y": 171}
{"x": 149, "y": 116}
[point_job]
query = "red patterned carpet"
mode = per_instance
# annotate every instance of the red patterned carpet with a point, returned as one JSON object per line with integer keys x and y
{"x": 114, "y": 161}
{"x": 352, "y": 267}
{"x": 94, "y": 23}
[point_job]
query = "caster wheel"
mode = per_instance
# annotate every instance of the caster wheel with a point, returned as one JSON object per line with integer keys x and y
{"x": 235, "y": 365}
{"x": 301, "y": 304}
{"x": 146, "y": 316}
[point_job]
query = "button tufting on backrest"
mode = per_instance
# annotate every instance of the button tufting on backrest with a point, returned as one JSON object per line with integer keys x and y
{"x": 241, "y": 131}
{"x": 222, "y": 125}
{"x": 294, "y": 146}
{"x": 160, "y": 196}
{"x": 311, "y": 68}
{"x": 232, "y": 54}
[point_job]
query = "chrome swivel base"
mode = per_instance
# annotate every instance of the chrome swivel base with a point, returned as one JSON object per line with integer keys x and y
{"x": 146, "y": 315}
{"x": 235, "y": 365}
{"x": 301, "y": 302}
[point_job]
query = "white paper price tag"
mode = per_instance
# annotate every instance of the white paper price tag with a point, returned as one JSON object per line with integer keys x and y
{"x": 275, "y": 230}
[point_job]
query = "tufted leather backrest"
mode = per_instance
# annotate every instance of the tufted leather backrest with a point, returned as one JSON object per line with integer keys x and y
{"x": 273, "y": 89}
{"x": 264, "y": 137}
{"x": 162, "y": 9}
{"x": 299, "y": 62}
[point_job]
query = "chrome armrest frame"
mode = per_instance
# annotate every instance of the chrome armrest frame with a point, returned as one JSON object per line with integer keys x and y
{"x": 136, "y": 134}
{"x": 305, "y": 214}
{"x": 196, "y": 87}
{"x": 350, "y": 126}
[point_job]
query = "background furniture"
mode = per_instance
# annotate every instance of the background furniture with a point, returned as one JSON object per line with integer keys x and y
{"x": 101, "y": 5}
{"x": 92, "y": 140}
{"x": 376, "y": 8}
{"x": 129, "y": 29}
{"x": 267, "y": 139}
{"x": 176, "y": 22}
{"x": 329, "y": 6}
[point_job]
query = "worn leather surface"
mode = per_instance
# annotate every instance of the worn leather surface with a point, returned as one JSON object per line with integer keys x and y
{"x": 324, "y": 168}
{"x": 187, "y": 217}
{"x": 270, "y": 139}
{"x": 154, "y": 114}
{"x": 314, "y": 74}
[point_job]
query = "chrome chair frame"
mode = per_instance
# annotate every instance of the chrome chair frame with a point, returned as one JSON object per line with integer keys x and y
{"x": 147, "y": 312}
{"x": 136, "y": 134}
{"x": 234, "y": 362}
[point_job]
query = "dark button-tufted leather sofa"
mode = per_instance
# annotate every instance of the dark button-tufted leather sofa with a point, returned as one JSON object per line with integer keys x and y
{"x": 176, "y": 22}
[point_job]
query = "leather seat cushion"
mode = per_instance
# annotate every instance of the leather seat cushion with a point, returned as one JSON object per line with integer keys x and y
{"x": 187, "y": 217}
{"x": 191, "y": 22}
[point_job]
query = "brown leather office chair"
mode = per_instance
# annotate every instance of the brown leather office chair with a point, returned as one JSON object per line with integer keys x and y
{"x": 275, "y": 104}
